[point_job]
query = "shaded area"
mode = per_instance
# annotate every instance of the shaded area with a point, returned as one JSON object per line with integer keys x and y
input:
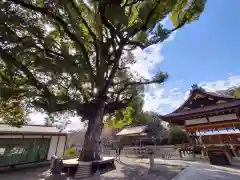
{"x": 103, "y": 168}
{"x": 30, "y": 173}
{"x": 131, "y": 171}
{"x": 126, "y": 170}
{"x": 70, "y": 166}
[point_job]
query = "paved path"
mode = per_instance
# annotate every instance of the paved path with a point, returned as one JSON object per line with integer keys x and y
{"x": 132, "y": 169}
{"x": 204, "y": 172}
{"x": 201, "y": 170}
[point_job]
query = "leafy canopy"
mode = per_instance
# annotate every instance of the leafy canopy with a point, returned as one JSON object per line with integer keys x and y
{"x": 58, "y": 55}
{"x": 177, "y": 135}
{"x": 237, "y": 93}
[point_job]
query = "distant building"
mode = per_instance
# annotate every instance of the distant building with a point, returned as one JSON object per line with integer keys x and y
{"x": 148, "y": 134}
{"x": 30, "y": 144}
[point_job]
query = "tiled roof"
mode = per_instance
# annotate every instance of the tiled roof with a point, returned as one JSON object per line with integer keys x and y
{"x": 29, "y": 129}
{"x": 205, "y": 109}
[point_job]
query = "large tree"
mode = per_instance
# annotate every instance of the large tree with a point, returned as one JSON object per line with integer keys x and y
{"x": 74, "y": 55}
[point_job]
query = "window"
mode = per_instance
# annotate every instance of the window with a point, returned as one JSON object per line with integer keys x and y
{"x": 17, "y": 151}
{"x": 2, "y": 150}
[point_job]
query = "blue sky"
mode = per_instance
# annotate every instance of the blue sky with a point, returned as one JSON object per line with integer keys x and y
{"x": 205, "y": 52}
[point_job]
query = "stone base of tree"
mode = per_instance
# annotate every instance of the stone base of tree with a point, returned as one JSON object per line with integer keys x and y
{"x": 84, "y": 170}
{"x": 88, "y": 169}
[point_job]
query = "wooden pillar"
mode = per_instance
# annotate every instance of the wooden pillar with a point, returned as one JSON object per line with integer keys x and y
{"x": 220, "y": 139}
{"x": 232, "y": 146}
{"x": 201, "y": 143}
{"x": 204, "y": 148}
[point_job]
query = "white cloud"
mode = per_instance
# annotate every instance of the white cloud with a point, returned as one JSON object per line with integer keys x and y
{"x": 179, "y": 81}
{"x": 223, "y": 84}
{"x": 172, "y": 99}
{"x": 174, "y": 90}
{"x": 75, "y": 124}
{"x": 146, "y": 60}
{"x": 230, "y": 74}
{"x": 37, "y": 118}
{"x": 177, "y": 93}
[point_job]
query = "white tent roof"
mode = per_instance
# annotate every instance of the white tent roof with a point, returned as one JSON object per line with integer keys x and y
{"x": 4, "y": 128}
{"x": 133, "y": 130}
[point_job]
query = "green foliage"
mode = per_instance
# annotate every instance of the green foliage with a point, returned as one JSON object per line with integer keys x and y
{"x": 237, "y": 93}
{"x": 185, "y": 12}
{"x": 69, "y": 56}
{"x": 71, "y": 153}
{"x": 11, "y": 112}
{"x": 177, "y": 135}
{"x": 121, "y": 119}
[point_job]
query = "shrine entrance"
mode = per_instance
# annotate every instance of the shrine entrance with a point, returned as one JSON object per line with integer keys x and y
{"x": 212, "y": 122}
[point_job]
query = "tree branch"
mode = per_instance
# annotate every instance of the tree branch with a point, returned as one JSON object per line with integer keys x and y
{"x": 116, "y": 105}
{"x": 113, "y": 71}
{"x": 131, "y": 3}
{"x": 136, "y": 44}
{"x": 143, "y": 26}
{"x": 79, "y": 87}
{"x": 7, "y": 58}
{"x": 64, "y": 25}
{"x": 83, "y": 20}
{"x": 138, "y": 83}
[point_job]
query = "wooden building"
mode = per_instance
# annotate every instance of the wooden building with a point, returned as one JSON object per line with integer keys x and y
{"x": 204, "y": 112}
{"x": 140, "y": 135}
{"x": 30, "y": 144}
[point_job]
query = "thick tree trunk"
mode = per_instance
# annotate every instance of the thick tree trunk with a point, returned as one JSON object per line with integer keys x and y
{"x": 92, "y": 137}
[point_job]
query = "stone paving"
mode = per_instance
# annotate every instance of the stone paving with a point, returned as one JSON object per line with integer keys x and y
{"x": 201, "y": 170}
{"x": 132, "y": 169}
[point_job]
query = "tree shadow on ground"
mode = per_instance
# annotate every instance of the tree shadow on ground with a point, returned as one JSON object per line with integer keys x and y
{"x": 141, "y": 172}
{"x": 24, "y": 173}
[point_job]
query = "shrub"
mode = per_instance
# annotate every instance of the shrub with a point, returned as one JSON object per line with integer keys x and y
{"x": 177, "y": 136}
{"x": 71, "y": 153}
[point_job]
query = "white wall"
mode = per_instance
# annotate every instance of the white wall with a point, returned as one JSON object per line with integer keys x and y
{"x": 33, "y": 137}
{"x": 61, "y": 145}
{"x": 196, "y": 121}
{"x": 52, "y": 147}
{"x": 227, "y": 117}
{"x": 11, "y": 136}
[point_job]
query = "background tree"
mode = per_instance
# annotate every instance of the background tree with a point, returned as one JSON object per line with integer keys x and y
{"x": 73, "y": 56}
{"x": 237, "y": 93}
{"x": 177, "y": 135}
{"x": 232, "y": 91}
{"x": 132, "y": 114}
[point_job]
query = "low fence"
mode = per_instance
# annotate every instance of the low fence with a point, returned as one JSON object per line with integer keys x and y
{"x": 166, "y": 152}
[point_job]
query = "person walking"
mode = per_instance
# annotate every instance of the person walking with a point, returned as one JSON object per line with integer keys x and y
{"x": 118, "y": 152}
